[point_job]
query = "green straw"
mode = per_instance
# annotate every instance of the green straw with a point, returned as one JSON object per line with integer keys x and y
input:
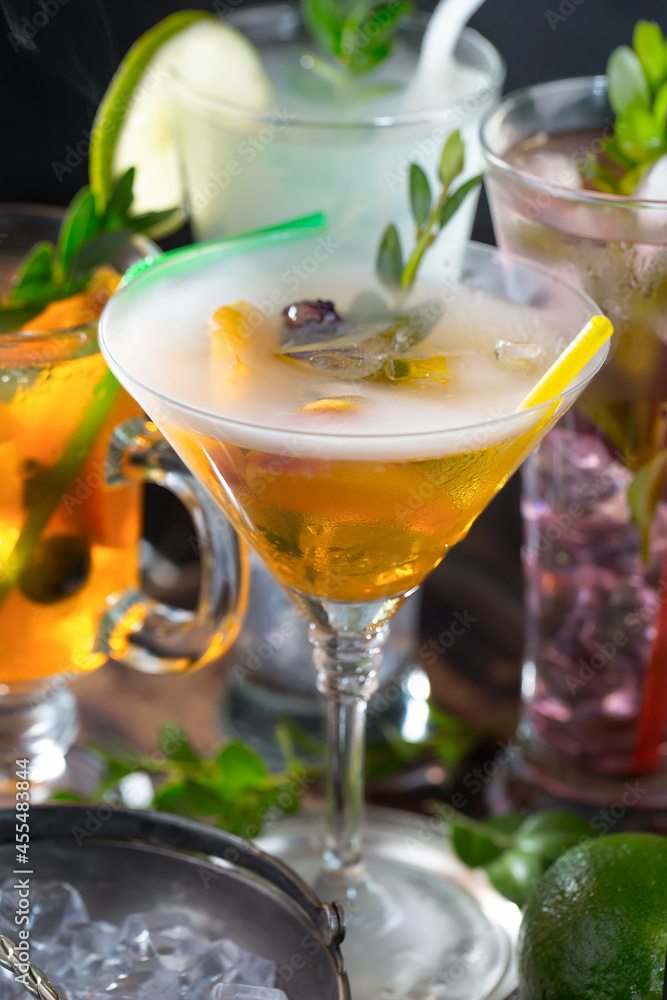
{"x": 256, "y": 239}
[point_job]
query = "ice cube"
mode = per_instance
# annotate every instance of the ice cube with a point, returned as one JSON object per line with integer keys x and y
{"x": 517, "y": 356}
{"x": 226, "y": 962}
{"x": 78, "y": 953}
{"x": 174, "y": 939}
{"x": 52, "y": 906}
{"x": 554, "y": 168}
{"x": 233, "y": 991}
{"x": 144, "y": 985}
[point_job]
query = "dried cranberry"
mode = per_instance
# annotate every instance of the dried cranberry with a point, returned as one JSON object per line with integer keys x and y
{"x": 310, "y": 313}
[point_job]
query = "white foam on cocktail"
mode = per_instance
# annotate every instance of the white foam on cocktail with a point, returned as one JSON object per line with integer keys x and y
{"x": 160, "y": 338}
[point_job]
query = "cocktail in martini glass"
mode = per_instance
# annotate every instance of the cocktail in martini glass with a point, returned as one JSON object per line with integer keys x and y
{"x": 352, "y": 434}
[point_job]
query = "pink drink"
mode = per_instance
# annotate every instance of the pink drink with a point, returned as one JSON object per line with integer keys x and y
{"x": 595, "y": 673}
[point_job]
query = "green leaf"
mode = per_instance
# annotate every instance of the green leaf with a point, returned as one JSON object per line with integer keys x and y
{"x": 192, "y": 799}
{"x": 389, "y": 264}
{"x": 649, "y": 44}
{"x": 34, "y": 276}
{"x": 323, "y": 20}
{"x": 241, "y": 766}
{"x": 479, "y": 843}
{"x": 660, "y": 105}
{"x": 645, "y": 492}
{"x": 78, "y": 226}
{"x": 455, "y": 200}
{"x": 420, "y": 195}
{"x": 627, "y": 84}
{"x": 149, "y": 220}
{"x": 515, "y": 874}
{"x": 177, "y": 746}
{"x": 13, "y": 318}
{"x": 120, "y": 199}
{"x": 452, "y": 159}
{"x": 100, "y": 250}
{"x": 639, "y": 134}
{"x": 551, "y": 832}
{"x": 367, "y": 39}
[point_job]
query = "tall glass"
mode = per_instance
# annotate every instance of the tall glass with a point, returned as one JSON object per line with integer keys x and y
{"x": 595, "y": 676}
{"x": 74, "y": 449}
{"x": 343, "y": 155}
{"x": 350, "y": 523}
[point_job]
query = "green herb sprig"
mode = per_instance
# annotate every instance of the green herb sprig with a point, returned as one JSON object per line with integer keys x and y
{"x": 515, "y": 851}
{"x": 637, "y": 93}
{"x": 430, "y": 216}
{"x": 87, "y": 239}
{"x": 233, "y": 789}
{"x": 358, "y": 33}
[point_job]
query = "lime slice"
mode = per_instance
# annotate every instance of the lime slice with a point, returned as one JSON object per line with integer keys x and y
{"x": 133, "y": 126}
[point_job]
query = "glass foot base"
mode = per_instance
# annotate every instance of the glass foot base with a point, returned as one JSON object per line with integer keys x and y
{"x": 419, "y": 925}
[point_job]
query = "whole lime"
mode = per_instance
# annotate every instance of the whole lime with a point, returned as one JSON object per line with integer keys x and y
{"x": 595, "y": 927}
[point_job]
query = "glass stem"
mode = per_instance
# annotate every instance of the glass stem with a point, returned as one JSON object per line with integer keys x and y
{"x": 347, "y": 665}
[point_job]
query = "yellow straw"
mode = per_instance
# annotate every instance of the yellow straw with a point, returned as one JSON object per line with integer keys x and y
{"x": 572, "y": 361}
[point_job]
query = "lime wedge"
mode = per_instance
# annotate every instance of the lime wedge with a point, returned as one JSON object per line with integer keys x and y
{"x": 133, "y": 126}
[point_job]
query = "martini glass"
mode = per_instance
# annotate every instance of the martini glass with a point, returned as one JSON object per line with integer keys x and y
{"x": 352, "y": 504}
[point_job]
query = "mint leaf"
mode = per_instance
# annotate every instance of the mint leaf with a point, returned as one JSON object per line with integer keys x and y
{"x": 100, "y": 249}
{"x": 12, "y": 319}
{"x": 390, "y": 259}
{"x": 452, "y": 159}
{"x": 241, "y": 766}
{"x": 639, "y": 134}
{"x": 35, "y": 274}
{"x": 120, "y": 199}
{"x": 367, "y": 39}
{"x": 479, "y": 843}
{"x": 551, "y": 832}
{"x": 193, "y": 799}
{"x": 627, "y": 82}
{"x": 78, "y": 226}
{"x": 455, "y": 200}
{"x": 649, "y": 44}
{"x": 323, "y": 20}
{"x": 420, "y": 195}
{"x": 149, "y": 220}
{"x": 177, "y": 746}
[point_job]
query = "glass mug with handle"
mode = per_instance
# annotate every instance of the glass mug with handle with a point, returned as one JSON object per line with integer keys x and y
{"x": 74, "y": 450}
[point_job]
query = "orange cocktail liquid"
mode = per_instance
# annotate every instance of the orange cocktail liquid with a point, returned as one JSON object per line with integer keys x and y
{"x": 87, "y": 550}
{"x": 351, "y": 530}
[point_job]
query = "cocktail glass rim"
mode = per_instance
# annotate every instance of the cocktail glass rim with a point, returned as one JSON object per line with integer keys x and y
{"x": 158, "y": 266}
{"x": 496, "y": 76}
{"x": 576, "y": 86}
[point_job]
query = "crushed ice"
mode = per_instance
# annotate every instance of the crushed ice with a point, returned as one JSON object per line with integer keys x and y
{"x": 156, "y": 955}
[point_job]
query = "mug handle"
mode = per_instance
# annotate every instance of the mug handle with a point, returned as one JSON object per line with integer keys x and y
{"x": 147, "y": 634}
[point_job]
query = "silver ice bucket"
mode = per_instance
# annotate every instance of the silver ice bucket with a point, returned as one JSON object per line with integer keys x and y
{"x": 122, "y": 860}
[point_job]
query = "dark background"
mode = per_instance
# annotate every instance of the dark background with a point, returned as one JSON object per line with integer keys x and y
{"x": 49, "y": 94}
